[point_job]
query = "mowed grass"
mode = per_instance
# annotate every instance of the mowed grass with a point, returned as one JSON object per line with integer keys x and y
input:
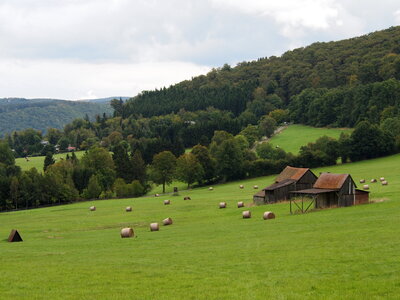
{"x": 38, "y": 161}
{"x": 209, "y": 253}
{"x": 295, "y": 136}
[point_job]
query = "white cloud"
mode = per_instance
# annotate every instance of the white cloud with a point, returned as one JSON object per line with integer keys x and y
{"x": 397, "y": 16}
{"x": 80, "y": 80}
{"x": 313, "y": 14}
{"x": 79, "y": 48}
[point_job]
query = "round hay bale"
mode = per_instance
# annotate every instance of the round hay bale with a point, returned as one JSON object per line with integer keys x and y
{"x": 366, "y": 187}
{"x": 241, "y": 186}
{"x": 362, "y": 180}
{"x": 187, "y": 198}
{"x": 154, "y": 227}
{"x": 210, "y": 188}
{"x": 167, "y": 221}
{"x": 127, "y": 232}
{"x": 222, "y": 205}
{"x": 157, "y": 195}
{"x": 92, "y": 208}
{"x": 255, "y": 187}
{"x": 384, "y": 182}
{"x": 128, "y": 208}
{"x": 240, "y": 204}
{"x": 268, "y": 215}
{"x": 167, "y": 202}
{"x": 373, "y": 180}
{"x": 382, "y": 179}
{"x": 246, "y": 214}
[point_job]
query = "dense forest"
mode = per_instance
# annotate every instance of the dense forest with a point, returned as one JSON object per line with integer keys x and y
{"x": 40, "y": 114}
{"x": 221, "y": 116}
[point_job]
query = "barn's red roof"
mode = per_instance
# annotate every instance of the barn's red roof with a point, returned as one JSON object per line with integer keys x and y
{"x": 330, "y": 181}
{"x": 291, "y": 173}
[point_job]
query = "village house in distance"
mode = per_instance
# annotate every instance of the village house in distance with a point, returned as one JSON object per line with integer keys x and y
{"x": 290, "y": 179}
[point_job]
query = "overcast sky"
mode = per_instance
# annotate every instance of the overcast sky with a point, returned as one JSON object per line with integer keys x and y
{"x": 79, "y": 49}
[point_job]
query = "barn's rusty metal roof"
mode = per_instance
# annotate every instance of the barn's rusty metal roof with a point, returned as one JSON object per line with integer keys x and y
{"x": 330, "y": 181}
{"x": 291, "y": 173}
{"x": 280, "y": 184}
{"x": 314, "y": 191}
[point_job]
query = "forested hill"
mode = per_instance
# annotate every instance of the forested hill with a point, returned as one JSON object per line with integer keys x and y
{"x": 41, "y": 114}
{"x": 268, "y": 83}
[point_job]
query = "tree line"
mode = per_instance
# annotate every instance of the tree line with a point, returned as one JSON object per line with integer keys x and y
{"x": 124, "y": 173}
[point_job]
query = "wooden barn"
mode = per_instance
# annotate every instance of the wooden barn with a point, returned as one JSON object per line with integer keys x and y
{"x": 331, "y": 190}
{"x": 290, "y": 179}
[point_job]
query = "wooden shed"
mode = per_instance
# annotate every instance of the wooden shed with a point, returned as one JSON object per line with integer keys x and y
{"x": 362, "y": 197}
{"x": 290, "y": 179}
{"x": 330, "y": 190}
{"x": 259, "y": 198}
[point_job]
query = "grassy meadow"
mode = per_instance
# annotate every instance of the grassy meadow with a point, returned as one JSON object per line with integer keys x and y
{"x": 38, "y": 161}
{"x": 295, "y": 136}
{"x": 209, "y": 253}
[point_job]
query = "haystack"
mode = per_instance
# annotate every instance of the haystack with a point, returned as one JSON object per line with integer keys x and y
{"x": 154, "y": 227}
{"x": 127, "y": 232}
{"x": 268, "y": 215}
{"x": 167, "y": 221}
{"x": 246, "y": 214}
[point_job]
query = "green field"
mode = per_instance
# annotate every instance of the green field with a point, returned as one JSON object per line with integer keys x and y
{"x": 209, "y": 253}
{"x": 295, "y": 136}
{"x": 38, "y": 161}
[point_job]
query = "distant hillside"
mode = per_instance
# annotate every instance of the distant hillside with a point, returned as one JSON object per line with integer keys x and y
{"x": 104, "y": 100}
{"x": 40, "y": 114}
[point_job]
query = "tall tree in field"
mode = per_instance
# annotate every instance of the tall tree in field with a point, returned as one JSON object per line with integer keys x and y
{"x": 162, "y": 169}
{"x": 207, "y": 162}
{"x": 100, "y": 161}
{"x": 138, "y": 167}
{"x": 6, "y": 155}
{"x": 230, "y": 160}
{"x": 48, "y": 160}
{"x": 122, "y": 166}
{"x": 188, "y": 169}
{"x": 267, "y": 126}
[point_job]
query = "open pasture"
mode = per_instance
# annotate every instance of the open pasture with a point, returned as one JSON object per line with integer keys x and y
{"x": 38, "y": 161}
{"x": 295, "y": 136}
{"x": 70, "y": 252}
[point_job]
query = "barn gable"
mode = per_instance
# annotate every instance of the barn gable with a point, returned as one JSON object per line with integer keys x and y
{"x": 291, "y": 173}
{"x": 290, "y": 179}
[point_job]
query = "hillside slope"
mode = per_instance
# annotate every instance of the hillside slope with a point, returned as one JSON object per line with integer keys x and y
{"x": 356, "y": 61}
{"x": 40, "y": 114}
